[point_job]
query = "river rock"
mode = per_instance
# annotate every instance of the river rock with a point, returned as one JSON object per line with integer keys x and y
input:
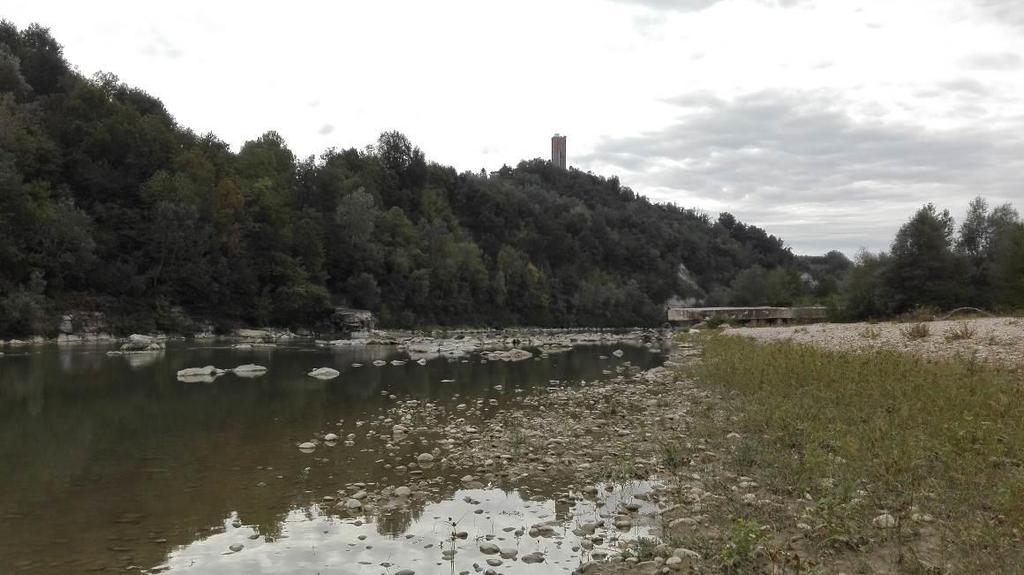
{"x": 488, "y": 548}
{"x": 331, "y": 437}
{"x": 249, "y": 370}
{"x": 196, "y": 371}
{"x": 425, "y": 458}
{"x": 236, "y": 547}
{"x": 510, "y": 355}
{"x": 535, "y": 557}
{"x": 403, "y": 491}
{"x": 307, "y": 446}
{"x": 622, "y": 523}
{"x": 137, "y": 342}
{"x": 353, "y": 504}
{"x": 884, "y": 521}
{"x": 405, "y": 572}
{"x": 324, "y": 373}
{"x": 686, "y": 554}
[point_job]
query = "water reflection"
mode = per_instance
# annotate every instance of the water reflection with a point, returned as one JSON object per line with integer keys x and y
{"x": 312, "y": 540}
{"x": 110, "y": 462}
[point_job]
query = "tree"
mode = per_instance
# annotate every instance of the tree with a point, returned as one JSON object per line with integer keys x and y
{"x": 1008, "y": 267}
{"x": 924, "y": 270}
{"x": 864, "y": 292}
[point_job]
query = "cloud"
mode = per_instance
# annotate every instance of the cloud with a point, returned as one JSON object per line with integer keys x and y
{"x": 325, "y": 129}
{"x": 679, "y": 5}
{"x": 161, "y": 46}
{"x": 698, "y": 5}
{"x": 797, "y": 163}
{"x": 1009, "y": 12}
{"x": 994, "y": 61}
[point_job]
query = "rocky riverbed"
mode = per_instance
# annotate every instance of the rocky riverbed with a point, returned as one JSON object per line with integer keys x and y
{"x": 652, "y": 427}
{"x": 996, "y": 340}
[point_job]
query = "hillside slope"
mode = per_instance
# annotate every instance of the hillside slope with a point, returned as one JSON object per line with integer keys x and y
{"x": 106, "y": 203}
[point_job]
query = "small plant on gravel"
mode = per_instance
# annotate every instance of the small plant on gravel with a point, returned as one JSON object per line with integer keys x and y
{"x": 673, "y": 454}
{"x": 646, "y": 548}
{"x": 961, "y": 331}
{"x": 740, "y": 551}
{"x": 871, "y": 332}
{"x": 916, "y": 331}
{"x": 516, "y": 437}
{"x": 621, "y": 471}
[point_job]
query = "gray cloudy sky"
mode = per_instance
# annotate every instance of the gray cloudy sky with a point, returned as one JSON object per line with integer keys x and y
{"x": 826, "y": 122}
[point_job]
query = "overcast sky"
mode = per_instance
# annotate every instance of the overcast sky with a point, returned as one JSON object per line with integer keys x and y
{"x": 827, "y": 122}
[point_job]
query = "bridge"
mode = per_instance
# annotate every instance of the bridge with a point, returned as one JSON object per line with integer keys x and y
{"x": 746, "y": 315}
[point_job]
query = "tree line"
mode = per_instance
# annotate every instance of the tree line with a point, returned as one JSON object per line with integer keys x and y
{"x": 107, "y": 204}
{"x": 935, "y": 264}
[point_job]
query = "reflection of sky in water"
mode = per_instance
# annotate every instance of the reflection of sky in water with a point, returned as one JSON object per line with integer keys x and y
{"x": 311, "y": 541}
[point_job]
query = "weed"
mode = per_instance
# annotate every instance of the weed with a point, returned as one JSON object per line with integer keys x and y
{"x": 961, "y": 331}
{"x": 740, "y": 550}
{"x": 861, "y": 432}
{"x": 646, "y": 548}
{"x": 620, "y": 471}
{"x": 916, "y": 331}
{"x": 673, "y": 454}
{"x": 871, "y": 332}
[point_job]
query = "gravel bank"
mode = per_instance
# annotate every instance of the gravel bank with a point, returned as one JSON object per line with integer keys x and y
{"x": 995, "y": 340}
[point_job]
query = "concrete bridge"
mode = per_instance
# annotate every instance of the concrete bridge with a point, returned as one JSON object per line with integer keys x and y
{"x": 746, "y": 315}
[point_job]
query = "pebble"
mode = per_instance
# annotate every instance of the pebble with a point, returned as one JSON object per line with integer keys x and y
{"x": 884, "y": 521}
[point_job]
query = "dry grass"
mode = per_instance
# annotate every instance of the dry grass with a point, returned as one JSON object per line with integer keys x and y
{"x": 938, "y": 445}
{"x": 916, "y": 331}
{"x": 961, "y": 331}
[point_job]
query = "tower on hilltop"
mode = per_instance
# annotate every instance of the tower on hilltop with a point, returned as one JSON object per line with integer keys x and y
{"x": 558, "y": 151}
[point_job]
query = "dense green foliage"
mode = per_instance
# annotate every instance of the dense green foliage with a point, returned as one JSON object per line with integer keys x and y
{"x": 934, "y": 265}
{"x": 106, "y": 203}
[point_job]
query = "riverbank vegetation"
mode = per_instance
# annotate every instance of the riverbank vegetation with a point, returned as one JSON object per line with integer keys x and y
{"x": 935, "y": 265}
{"x": 106, "y": 203}
{"x": 902, "y": 463}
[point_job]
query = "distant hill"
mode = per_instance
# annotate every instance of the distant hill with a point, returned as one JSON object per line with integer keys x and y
{"x": 106, "y": 203}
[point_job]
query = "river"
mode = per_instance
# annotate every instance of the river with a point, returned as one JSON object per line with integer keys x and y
{"x": 112, "y": 464}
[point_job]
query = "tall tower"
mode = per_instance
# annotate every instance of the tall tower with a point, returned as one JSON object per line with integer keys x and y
{"x": 558, "y": 151}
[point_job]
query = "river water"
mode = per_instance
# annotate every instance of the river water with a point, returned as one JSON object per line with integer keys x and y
{"x": 110, "y": 464}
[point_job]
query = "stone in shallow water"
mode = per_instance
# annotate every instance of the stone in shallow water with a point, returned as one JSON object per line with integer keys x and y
{"x": 535, "y": 557}
{"x": 249, "y": 368}
{"x": 236, "y": 547}
{"x": 324, "y": 373}
{"x": 488, "y": 548}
